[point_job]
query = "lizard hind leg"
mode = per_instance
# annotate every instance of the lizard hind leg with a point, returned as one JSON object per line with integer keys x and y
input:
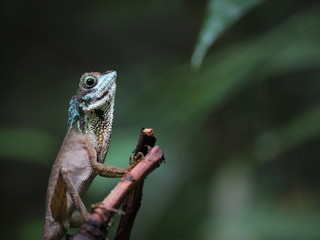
{"x": 58, "y": 204}
{"x": 74, "y": 194}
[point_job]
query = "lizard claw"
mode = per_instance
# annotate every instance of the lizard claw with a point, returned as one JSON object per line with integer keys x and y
{"x": 136, "y": 158}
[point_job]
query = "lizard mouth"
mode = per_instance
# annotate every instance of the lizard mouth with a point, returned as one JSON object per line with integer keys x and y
{"x": 106, "y": 82}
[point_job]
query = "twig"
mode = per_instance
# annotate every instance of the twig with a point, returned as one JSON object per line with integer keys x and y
{"x": 96, "y": 226}
{"x": 133, "y": 201}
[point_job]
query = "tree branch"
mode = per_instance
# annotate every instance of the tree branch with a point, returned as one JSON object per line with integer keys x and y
{"x": 133, "y": 201}
{"x": 96, "y": 226}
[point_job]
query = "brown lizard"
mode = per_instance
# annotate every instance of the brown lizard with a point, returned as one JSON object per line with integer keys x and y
{"x": 82, "y": 154}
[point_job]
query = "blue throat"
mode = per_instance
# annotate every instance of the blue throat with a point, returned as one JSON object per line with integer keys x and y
{"x": 74, "y": 115}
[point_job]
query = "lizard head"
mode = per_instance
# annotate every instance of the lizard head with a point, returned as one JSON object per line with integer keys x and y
{"x": 96, "y": 89}
{"x": 91, "y": 110}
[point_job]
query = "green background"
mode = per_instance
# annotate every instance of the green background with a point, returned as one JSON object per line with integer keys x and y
{"x": 231, "y": 88}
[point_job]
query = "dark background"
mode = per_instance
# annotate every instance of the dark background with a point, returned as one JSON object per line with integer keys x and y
{"x": 240, "y": 134}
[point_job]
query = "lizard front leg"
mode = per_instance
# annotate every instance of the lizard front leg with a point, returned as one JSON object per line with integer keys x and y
{"x": 103, "y": 169}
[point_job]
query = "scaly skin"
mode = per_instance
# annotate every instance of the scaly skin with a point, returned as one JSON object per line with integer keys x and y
{"x": 82, "y": 152}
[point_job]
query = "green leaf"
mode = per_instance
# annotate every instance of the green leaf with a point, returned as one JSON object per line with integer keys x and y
{"x": 221, "y": 14}
{"x": 290, "y": 46}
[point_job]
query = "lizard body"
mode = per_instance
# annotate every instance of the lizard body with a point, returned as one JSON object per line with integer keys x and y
{"x": 81, "y": 156}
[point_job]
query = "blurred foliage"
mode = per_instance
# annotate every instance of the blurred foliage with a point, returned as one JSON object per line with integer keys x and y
{"x": 220, "y": 15}
{"x": 19, "y": 143}
{"x": 240, "y": 134}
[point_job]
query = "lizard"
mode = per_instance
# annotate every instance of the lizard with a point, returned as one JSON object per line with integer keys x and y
{"x": 82, "y": 154}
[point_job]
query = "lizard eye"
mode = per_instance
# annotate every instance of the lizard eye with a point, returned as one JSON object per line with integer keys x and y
{"x": 89, "y": 82}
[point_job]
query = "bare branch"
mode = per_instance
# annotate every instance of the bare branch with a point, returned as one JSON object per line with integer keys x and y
{"x": 96, "y": 226}
{"x": 133, "y": 202}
